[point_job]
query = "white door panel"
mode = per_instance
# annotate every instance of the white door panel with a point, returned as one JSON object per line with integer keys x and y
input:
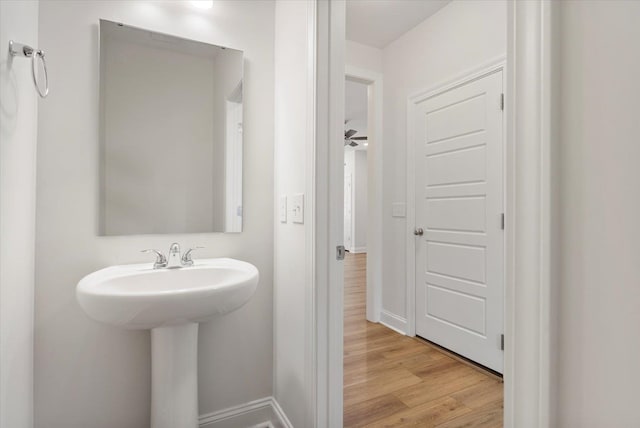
{"x": 464, "y": 311}
{"x": 459, "y": 202}
{"x": 459, "y": 213}
{"x": 457, "y": 261}
{"x": 453, "y": 119}
{"x": 456, "y": 167}
{"x": 456, "y": 284}
{"x": 468, "y": 141}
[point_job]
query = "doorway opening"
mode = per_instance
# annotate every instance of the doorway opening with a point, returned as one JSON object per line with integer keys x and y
{"x": 528, "y": 79}
{"x": 443, "y": 179}
{"x": 390, "y": 375}
{"x": 355, "y": 167}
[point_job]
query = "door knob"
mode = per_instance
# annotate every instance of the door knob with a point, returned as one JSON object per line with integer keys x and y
{"x": 418, "y": 231}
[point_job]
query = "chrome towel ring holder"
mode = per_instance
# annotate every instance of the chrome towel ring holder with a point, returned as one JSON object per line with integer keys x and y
{"x": 18, "y": 49}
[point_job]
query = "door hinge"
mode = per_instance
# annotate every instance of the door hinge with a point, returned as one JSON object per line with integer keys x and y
{"x": 502, "y": 221}
{"x": 502, "y": 342}
{"x": 501, "y": 101}
{"x": 340, "y": 251}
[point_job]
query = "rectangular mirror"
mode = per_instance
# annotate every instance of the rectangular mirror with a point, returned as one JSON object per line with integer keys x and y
{"x": 170, "y": 134}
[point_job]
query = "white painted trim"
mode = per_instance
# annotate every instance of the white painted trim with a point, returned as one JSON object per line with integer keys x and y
{"x": 460, "y": 79}
{"x": 410, "y": 241}
{"x": 410, "y": 213}
{"x": 358, "y": 250}
{"x": 375, "y": 206}
{"x": 261, "y": 413}
{"x": 393, "y": 321}
{"x": 327, "y": 180}
{"x": 527, "y": 329}
{"x": 316, "y": 348}
{"x": 281, "y": 415}
{"x": 234, "y": 411}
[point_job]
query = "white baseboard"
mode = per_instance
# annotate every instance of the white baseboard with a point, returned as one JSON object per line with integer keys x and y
{"x": 393, "y": 321}
{"x": 262, "y": 413}
{"x": 358, "y": 250}
{"x": 283, "y": 420}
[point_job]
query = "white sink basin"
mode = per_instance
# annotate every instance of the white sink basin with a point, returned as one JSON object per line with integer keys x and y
{"x": 139, "y": 297}
{"x": 170, "y": 302}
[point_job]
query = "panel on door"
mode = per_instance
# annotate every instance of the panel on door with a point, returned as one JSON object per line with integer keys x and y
{"x": 459, "y": 204}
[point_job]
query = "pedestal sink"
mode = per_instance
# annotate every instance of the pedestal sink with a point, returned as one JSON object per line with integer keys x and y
{"x": 170, "y": 303}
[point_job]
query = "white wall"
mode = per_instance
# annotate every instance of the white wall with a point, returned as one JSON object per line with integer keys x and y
{"x": 292, "y": 147}
{"x": 363, "y": 56}
{"x": 598, "y": 346}
{"x": 93, "y": 375}
{"x": 18, "y": 119}
{"x": 461, "y": 36}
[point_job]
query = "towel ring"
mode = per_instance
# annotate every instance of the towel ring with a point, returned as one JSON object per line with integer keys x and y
{"x": 34, "y": 72}
{"x": 18, "y": 49}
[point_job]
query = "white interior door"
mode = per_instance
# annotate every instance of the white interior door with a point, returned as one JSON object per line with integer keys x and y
{"x": 459, "y": 205}
{"x": 348, "y": 211}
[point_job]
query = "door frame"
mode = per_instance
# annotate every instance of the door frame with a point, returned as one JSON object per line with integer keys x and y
{"x": 375, "y": 154}
{"x": 529, "y": 71}
{"x": 498, "y": 64}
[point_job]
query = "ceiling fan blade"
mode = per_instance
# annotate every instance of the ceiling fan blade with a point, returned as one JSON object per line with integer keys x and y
{"x": 353, "y": 143}
{"x": 350, "y": 133}
{"x": 359, "y": 138}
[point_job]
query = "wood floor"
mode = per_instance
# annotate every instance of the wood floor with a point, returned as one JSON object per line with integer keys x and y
{"x": 391, "y": 380}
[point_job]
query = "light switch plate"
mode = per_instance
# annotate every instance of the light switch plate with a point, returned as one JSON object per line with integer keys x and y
{"x": 398, "y": 209}
{"x": 297, "y": 208}
{"x": 283, "y": 209}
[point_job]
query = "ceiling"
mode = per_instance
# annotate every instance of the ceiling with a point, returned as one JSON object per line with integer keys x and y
{"x": 379, "y": 22}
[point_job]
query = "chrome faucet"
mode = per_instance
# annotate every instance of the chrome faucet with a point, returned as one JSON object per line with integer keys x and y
{"x": 186, "y": 257}
{"x": 161, "y": 260}
{"x": 174, "y": 260}
{"x": 174, "y": 257}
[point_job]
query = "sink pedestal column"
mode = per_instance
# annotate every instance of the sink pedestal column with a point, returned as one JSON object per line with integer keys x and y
{"x": 174, "y": 376}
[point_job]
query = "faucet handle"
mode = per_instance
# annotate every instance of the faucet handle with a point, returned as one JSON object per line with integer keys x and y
{"x": 161, "y": 260}
{"x": 186, "y": 257}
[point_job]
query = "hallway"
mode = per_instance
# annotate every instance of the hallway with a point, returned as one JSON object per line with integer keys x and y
{"x": 391, "y": 380}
